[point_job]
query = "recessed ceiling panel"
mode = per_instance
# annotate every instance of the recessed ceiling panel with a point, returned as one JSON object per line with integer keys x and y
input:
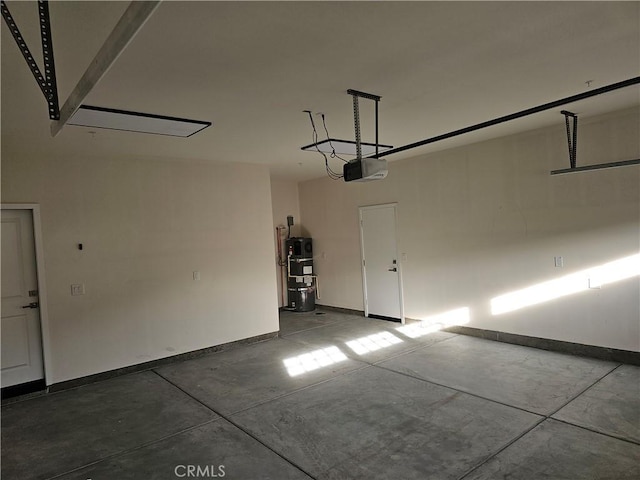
{"x": 98, "y": 117}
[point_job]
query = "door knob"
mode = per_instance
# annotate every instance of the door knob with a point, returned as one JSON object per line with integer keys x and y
{"x": 394, "y": 269}
{"x": 32, "y": 305}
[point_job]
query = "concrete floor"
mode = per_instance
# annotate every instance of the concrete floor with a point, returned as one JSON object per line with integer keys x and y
{"x": 340, "y": 397}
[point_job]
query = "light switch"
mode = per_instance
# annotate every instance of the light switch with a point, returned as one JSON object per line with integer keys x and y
{"x": 77, "y": 289}
{"x": 595, "y": 283}
{"x": 196, "y": 275}
{"x": 558, "y": 261}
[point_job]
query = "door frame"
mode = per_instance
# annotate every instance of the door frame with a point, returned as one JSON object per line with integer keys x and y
{"x": 42, "y": 287}
{"x": 394, "y": 205}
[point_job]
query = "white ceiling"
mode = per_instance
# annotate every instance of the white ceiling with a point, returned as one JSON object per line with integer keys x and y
{"x": 253, "y": 67}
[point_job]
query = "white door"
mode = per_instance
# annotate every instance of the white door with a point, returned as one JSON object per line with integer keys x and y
{"x": 380, "y": 265}
{"x": 20, "y": 330}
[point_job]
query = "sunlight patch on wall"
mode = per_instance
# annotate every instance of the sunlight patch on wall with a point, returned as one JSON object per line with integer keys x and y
{"x": 308, "y": 362}
{"x": 374, "y": 342}
{"x": 594, "y": 277}
{"x": 433, "y": 323}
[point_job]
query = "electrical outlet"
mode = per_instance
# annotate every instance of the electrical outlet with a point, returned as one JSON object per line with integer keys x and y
{"x": 77, "y": 289}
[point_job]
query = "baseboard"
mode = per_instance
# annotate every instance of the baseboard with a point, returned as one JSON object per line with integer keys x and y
{"x": 388, "y": 319}
{"x": 341, "y": 310}
{"x": 23, "y": 389}
{"x": 328, "y": 308}
{"x": 592, "y": 351}
{"x": 98, "y": 377}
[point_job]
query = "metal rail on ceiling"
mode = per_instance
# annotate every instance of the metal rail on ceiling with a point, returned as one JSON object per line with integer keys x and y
{"x": 514, "y": 116}
{"x": 131, "y": 21}
{"x": 599, "y": 166}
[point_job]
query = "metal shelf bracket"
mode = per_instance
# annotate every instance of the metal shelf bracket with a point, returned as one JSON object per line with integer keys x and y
{"x": 46, "y": 82}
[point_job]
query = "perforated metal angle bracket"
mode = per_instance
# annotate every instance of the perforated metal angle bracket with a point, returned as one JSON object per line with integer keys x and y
{"x": 572, "y": 136}
{"x": 46, "y": 82}
{"x": 356, "y": 119}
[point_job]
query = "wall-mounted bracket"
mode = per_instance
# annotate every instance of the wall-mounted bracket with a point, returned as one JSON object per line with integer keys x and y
{"x": 356, "y": 119}
{"x": 572, "y": 136}
{"x": 46, "y": 82}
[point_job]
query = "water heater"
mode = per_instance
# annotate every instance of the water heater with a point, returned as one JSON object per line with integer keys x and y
{"x": 301, "y": 288}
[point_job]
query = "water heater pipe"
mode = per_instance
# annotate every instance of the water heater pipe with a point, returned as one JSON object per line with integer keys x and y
{"x": 281, "y": 264}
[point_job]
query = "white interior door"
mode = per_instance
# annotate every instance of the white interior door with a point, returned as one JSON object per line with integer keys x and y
{"x": 21, "y": 334}
{"x": 380, "y": 265}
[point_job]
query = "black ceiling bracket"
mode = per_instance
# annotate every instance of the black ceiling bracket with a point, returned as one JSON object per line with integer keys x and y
{"x": 356, "y": 119}
{"x": 572, "y": 136}
{"x": 47, "y": 55}
{"x": 46, "y": 82}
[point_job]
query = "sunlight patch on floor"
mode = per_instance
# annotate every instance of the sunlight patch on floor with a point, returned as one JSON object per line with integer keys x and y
{"x": 434, "y": 323}
{"x": 374, "y": 342}
{"x": 308, "y": 362}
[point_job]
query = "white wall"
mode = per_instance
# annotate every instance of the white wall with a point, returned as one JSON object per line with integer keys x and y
{"x": 146, "y": 225}
{"x": 284, "y": 198}
{"x": 480, "y": 221}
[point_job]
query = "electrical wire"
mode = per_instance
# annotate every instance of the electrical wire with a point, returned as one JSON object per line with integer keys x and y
{"x": 332, "y": 174}
{"x": 333, "y": 153}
